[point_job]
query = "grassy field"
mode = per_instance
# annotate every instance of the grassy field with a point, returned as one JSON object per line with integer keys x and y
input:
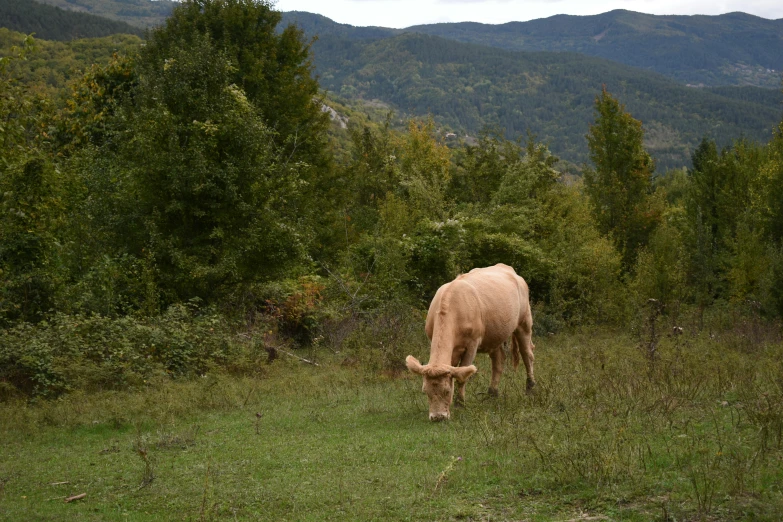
{"x": 608, "y": 435}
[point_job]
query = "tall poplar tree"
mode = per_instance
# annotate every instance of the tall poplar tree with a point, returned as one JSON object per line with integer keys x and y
{"x": 619, "y": 183}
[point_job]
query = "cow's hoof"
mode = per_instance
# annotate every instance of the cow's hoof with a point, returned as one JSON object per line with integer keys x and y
{"x": 530, "y": 385}
{"x": 492, "y": 392}
{"x": 459, "y": 404}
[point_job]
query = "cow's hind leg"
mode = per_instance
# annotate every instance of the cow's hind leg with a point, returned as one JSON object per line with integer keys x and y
{"x": 498, "y": 358}
{"x": 523, "y": 336}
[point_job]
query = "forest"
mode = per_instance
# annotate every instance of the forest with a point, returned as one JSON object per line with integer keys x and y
{"x": 468, "y": 87}
{"x": 53, "y": 23}
{"x": 185, "y": 213}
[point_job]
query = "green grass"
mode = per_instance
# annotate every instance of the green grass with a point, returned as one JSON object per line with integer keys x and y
{"x": 695, "y": 436}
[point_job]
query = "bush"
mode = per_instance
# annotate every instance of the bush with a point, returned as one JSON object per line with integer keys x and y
{"x": 95, "y": 352}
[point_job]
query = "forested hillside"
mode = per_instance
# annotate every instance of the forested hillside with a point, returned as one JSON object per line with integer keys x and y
{"x": 467, "y": 87}
{"x": 730, "y": 49}
{"x": 139, "y": 13}
{"x": 52, "y": 23}
{"x": 153, "y": 179}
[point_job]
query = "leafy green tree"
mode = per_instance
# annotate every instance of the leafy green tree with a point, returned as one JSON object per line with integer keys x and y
{"x": 370, "y": 174}
{"x": 773, "y": 179}
{"x": 481, "y": 167}
{"x": 724, "y": 196}
{"x": 702, "y": 202}
{"x": 619, "y": 183}
{"x": 424, "y": 170}
{"x": 273, "y": 68}
{"x": 92, "y": 112}
{"x": 29, "y": 203}
{"x": 215, "y": 195}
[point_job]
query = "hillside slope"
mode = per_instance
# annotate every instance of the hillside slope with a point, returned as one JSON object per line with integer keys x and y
{"x": 730, "y": 49}
{"x": 139, "y": 13}
{"x": 467, "y": 86}
{"x": 53, "y": 64}
{"x": 53, "y": 23}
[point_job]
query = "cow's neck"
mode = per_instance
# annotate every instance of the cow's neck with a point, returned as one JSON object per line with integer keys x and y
{"x": 443, "y": 342}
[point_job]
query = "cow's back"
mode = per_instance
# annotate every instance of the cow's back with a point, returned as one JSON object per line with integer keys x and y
{"x": 504, "y": 298}
{"x": 486, "y": 303}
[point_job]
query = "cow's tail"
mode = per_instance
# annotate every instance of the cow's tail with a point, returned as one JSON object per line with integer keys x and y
{"x": 515, "y": 351}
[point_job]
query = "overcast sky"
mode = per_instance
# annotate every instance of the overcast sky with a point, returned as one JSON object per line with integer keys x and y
{"x": 404, "y": 13}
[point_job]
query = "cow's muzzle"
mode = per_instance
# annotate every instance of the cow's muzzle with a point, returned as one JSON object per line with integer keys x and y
{"x": 437, "y": 417}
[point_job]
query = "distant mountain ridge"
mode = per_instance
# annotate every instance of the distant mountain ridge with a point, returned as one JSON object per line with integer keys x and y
{"x": 139, "y": 13}
{"x": 730, "y": 49}
{"x": 52, "y": 23}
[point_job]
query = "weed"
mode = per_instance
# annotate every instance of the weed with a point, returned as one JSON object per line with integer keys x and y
{"x": 653, "y": 336}
{"x": 444, "y": 475}
{"x": 140, "y": 448}
{"x": 203, "y": 510}
{"x": 184, "y": 440}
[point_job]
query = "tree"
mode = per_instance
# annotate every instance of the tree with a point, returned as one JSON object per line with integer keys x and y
{"x": 29, "y": 205}
{"x": 725, "y": 197}
{"x": 213, "y": 192}
{"x": 273, "y": 68}
{"x": 481, "y": 167}
{"x": 619, "y": 184}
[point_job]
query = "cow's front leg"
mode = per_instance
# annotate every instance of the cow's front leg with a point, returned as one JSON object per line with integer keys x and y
{"x": 459, "y": 397}
{"x": 498, "y": 358}
{"x": 462, "y": 357}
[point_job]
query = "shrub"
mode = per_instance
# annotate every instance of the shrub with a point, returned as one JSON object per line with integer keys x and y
{"x": 95, "y": 352}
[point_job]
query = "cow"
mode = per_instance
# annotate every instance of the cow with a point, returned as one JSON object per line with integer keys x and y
{"x": 477, "y": 312}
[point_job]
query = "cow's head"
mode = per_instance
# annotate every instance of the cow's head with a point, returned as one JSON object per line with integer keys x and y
{"x": 439, "y": 385}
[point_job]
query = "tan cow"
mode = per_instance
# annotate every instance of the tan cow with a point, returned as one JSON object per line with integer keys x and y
{"x": 476, "y": 312}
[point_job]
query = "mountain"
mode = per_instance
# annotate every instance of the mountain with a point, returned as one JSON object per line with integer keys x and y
{"x": 467, "y": 86}
{"x": 139, "y": 13}
{"x": 315, "y": 24}
{"x": 53, "y": 23}
{"x": 730, "y": 49}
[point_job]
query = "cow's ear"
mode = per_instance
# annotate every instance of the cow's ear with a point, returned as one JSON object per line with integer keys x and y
{"x": 463, "y": 373}
{"x": 414, "y": 365}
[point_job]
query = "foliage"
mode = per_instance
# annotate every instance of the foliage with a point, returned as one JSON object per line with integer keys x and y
{"x": 619, "y": 184}
{"x": 467, "y": 87}
{"x": 53, "y": 65}
{"x": 212, "y": 190}
{"x": 272, "y": 68}
{"x": 28, "y": 199}
{"x": 75, "y": 352}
